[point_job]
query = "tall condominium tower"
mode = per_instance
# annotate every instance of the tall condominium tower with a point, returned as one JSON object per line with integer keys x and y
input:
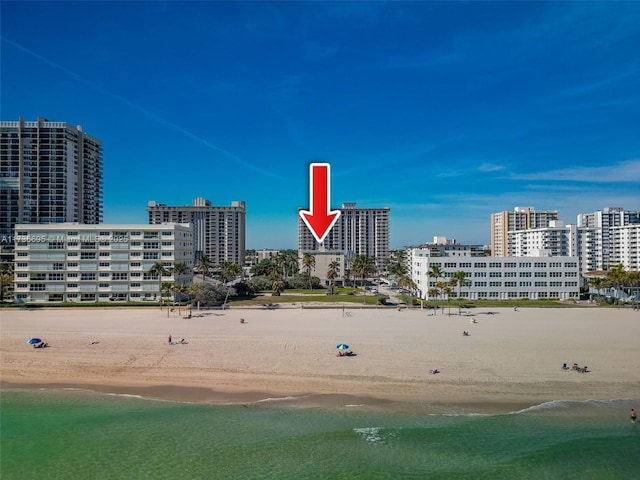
{"x": 218, "y": 232}
{"x": 521, "y": 218}
{"x": 50, "y": 172}
{"x": 358, "y": 231}
{"x": 604, "y": 221}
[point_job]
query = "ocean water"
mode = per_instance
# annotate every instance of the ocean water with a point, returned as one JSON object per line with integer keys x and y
{"x": 62, "y": 434}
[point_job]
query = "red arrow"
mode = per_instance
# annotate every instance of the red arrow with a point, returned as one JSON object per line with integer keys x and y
{"x": 319, "y": 219}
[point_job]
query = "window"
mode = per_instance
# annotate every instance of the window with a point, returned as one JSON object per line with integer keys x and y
{"x": 72, "y": 254}
{"x": 87, "y": 255}
{"x": 510, "y": 274}
{"x": 495, "y": 284}
{"x": 72, "y": 285}
{"x": 539, "y": 264}
{"x": 480, "y": 265}
{"x": 495, "y": 274}
{"x": 525, "y": 284}
{"x": 540, "y": 274}
{"x": 480, "y": 274}
{"x": 119, "y": 276}
{"x": 135, "y": 285}
{"x": 151, "y": 245}
{"x": 23, "y": 254}
{"x": 540, "y": 284}
{"x": 510, "y": 284}
{"x": 103, "y": 285}
{"x": 87, "y": 276}
{"x": 525, "y": 274}
{"x": 479, "y": 284}
{"x": 56, "y": 276}
{"x": 37, "y": 287}
{"x": 525, "y": 264}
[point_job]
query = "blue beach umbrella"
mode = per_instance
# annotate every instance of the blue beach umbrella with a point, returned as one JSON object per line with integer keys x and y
{"x": 33, "y": 341}
{"x": 342, "y": 346}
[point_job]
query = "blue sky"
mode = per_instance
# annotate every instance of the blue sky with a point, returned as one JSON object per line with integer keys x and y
{"x": 444, "y": 112}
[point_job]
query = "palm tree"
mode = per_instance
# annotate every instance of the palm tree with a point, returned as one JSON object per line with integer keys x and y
{"x": 363, "y": 266}
{"x": 598, "y": 283}
{"x": 178, "y": 290}
{"x": 159, "y": 270}
{"x": 309, "y": 262}
{"x": 165, "y": 290}
{"x": 434, "y": 272}
{"x": 290, "y": 263}
{"x": 434, "y": 292}
{"x": 229, "y": 271}
{"x": 459, "y": 278}
{"x": 332, "y": 273}
{"x": 617, "y": 276}
{"x": 409, "y": 284}
{"x": 180, "y": 268}
{"x": 448, "y": 290}
{"x": 204, "y": 264}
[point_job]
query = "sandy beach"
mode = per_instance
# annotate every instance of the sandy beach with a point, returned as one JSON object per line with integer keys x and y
{"x": 510, "y": 358}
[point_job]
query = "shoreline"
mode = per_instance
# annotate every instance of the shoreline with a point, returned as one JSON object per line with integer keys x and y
{"x": 511, "y": 360}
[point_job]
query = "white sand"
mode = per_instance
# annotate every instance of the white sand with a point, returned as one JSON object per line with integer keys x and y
{"x": 509, "y": 357}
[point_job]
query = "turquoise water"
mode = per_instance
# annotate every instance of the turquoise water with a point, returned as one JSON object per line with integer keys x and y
{"x": 82, "y": 435}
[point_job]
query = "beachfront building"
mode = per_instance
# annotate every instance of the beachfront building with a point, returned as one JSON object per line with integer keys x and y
{"x": 557, "y": 240}
{"x": 90, "y": 263}
{"x": 625, "y": 246}
{"x": 50, "y": 172}
{"x": 358, "y": 231}
{"x": 604, "y": 222}
{"x": 218, "y": 232}
{"x": 501, "y": 278}
{"x": 323, "y": 260}
{"x": 520, "y": 218}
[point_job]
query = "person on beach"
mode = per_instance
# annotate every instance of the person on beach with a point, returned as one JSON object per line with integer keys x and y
{"x": 633, "y": 416}
{"x": 169, "y": 338}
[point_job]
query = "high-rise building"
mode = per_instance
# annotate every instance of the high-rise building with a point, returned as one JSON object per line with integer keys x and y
{"x": 521, "y": 218}
{"x": 218, "y": 232}
{"x": 358, "y": 231}
{"x": 50, "y": 172}
{"x": 604, "y": 221}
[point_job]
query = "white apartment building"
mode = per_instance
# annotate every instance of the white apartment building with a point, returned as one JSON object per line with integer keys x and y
{"x": 521, "y": 218}
{"x": 501, "y": 278}
{"x": 219, "y": 232}
{"x": 603, "y": 221}
{"x": 50, "y": 172}
{"x": 90, "y": 263}
{"x": 358, "y": 231}
{"x": 625, "y": 249}
{"x": 556, "y": 240}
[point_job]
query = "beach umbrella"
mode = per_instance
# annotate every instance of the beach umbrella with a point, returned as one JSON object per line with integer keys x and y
{"x": 342, "y": 346}
{"x": 33, "y": 341}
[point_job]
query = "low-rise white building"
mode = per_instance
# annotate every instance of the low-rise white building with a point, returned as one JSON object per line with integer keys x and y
{"x": 89, "y": 263}
{"x": 497, "y": 278}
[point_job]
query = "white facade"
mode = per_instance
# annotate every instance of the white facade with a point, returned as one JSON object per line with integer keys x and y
{"x": 604, "y": 221}
{"x": 556, "y": 240}
{"x": 90, "y": 263}
{"x": 626, "y": 246}
{"x": 501, "y": 278}
{"x": 219, "y": 232}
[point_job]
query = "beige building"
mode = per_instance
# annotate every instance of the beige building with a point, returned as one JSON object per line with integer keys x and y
{"x": 521, "y": 218}
{"x": 358, "y": 231}
{"x": 218, "y": 232}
